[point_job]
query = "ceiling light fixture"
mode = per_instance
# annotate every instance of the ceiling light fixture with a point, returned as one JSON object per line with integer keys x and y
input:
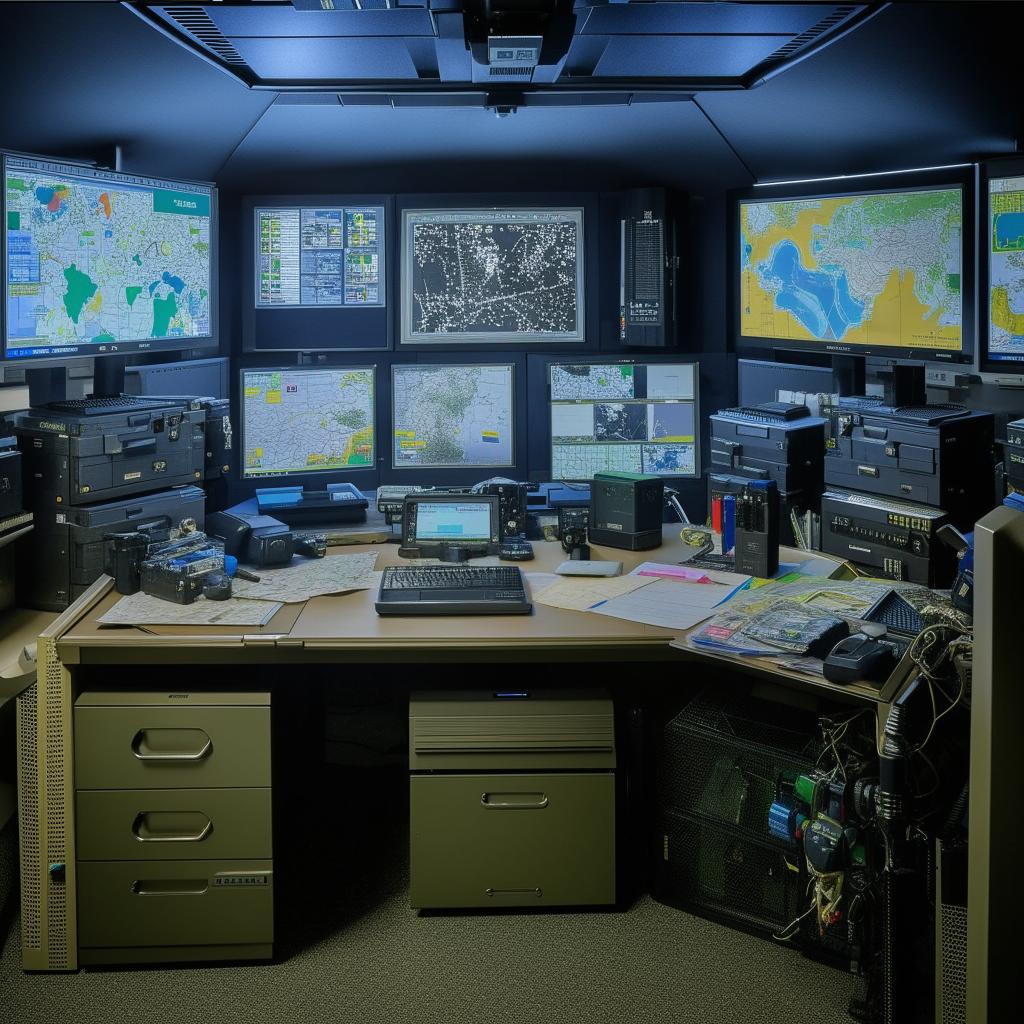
{"x": 867, "y": 174}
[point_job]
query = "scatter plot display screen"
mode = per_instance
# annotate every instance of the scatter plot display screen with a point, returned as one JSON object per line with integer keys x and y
{"x": 479, "y": 276}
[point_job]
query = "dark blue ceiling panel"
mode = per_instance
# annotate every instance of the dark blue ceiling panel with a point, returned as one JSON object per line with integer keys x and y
{"x": 286, "y": 21}
{"x": 683, "y": 56}
{"x": 673, "y": 18}
{"x": 308, "y": 59}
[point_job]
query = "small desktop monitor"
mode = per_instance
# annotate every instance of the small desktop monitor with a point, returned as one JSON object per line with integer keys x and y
{"x": 433, "y": 523}
{"x": 1005, "y": 342}
{"x": 485, "y": 276}
{"x": 99, "y": 263}
{"x": 636, "y": 417}
{"x": 885, "y": 271}
{"x": 452, "y": 416}
{"x": 300, "y": 420}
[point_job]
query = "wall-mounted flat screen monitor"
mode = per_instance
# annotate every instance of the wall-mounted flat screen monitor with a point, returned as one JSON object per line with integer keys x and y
{"x": 298, "y": 420}
{"x": 319, "y": 257}
{"x": 1006, "y": 269}
{"x": 879, "y": 272}
{"x": 621, "y": 415}
{"x": 488, "y": 275}
{"x": 453, "y": 417}
{"x": 97, "y": 262}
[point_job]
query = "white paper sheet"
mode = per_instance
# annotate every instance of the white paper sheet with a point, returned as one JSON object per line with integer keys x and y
{"x": 667, "y": 603}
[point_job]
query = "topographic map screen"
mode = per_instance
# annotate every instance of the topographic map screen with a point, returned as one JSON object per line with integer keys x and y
{"x": 632, "y": 417}
{"x": 879, "y": 270}
{"x": 492, "y": 275}
{"x": 306, "y": 420}
{"x": 1006, "y": 268}
{"x": 96, "y": 260}
{"x": 452, "y": 415}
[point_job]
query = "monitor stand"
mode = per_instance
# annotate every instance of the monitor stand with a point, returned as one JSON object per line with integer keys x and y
{"x": 47, "y": 385}
{"x": 454, "y": 553}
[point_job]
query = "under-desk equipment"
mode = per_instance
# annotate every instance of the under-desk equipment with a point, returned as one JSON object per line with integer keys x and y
{"x": 512, "y": 799}
{"x": 938, "y": 455}
{"x": 452, "y": 590}
{"x": 173, "y": 827}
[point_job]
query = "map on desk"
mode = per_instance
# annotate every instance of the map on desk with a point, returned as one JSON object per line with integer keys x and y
{"x": 145, "y": 610}
{"x": 308, "y": 578}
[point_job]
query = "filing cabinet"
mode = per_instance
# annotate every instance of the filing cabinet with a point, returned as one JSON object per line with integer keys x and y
{"x": 173, "y": 826}
{"x": 512, "y": 799}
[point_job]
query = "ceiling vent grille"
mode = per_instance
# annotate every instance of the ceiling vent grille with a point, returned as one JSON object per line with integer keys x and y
{"x": 195, "y": 21}
{"x": 839, "y": 15}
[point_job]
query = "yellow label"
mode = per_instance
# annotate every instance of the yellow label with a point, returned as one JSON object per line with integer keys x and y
{"x": 273, "y": 398}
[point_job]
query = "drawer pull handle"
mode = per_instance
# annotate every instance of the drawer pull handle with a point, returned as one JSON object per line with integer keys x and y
{"x": 538, "y": 892}
{"x": 145, "y": 750}
{"x": 146, "y": 829}
{"x": 540, "y": 800}
{"x": 169, "y": 886}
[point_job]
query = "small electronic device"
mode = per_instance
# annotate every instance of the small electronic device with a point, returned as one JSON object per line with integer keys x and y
{"x": 452, "y": 527}
{"x": 216, "y": 587}
{"x": 452, "y": 590}
{"x": 296, "y": 506}
{"x": 648, "y": 265}
{"x": 586, "y": 567}
{"x": 269, "y": 546}
{"x": 176, "y": 570}
{"x": 626, "y": 511}
{"x": 757, "y": 529}
{"x": 861, "y": 656}
{"x": 391, "y": 501}
{"x": 516, "y": 550}
{"x": 572, "y": 531}
{"x": 512, "y": 504}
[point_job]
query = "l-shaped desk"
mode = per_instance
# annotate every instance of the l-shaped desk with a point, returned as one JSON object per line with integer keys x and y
{"x": 339, "y": 629}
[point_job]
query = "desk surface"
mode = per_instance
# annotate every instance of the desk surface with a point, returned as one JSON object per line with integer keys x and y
{"x": 346, "y": 628}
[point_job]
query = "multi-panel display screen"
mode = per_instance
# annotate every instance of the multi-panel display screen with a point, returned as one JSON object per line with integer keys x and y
{"x": 1006, "y": 269}
{"x": 484, "y": 276}
{"x": 452, "y": 416}
{"x": 319, "y": 257}
{"x": 626, "y": 416}
{"x": 98, "y": 262}
{"x": 307, "y": 420}
{"x": 876, "y": 270}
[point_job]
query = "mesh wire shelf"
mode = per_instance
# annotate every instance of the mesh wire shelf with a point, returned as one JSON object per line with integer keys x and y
{"x": 720, "y": 871}
{"x": 727, "y": 760}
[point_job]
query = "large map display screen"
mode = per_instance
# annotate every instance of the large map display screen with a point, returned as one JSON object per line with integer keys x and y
{"x": 453, "y": 416}
{"x": 98, "y": 262}
{"x": 302, "y": 420}
{"x": 625, "y": 416}
{"x": 1006, "y": 269}
{"x": 880, "y": 270}
{"x": 492, "y": 275}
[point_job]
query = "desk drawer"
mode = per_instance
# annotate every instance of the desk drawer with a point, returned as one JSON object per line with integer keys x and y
{"x": 512, "y": 840}
{"x": 173, "y": 824}
{"x": 173, "y": 903}
{"x": 171, "y": 747}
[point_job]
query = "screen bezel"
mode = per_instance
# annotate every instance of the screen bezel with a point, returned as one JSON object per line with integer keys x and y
{"x": 449, "y": 468}
{"x": 150, "y": 346}
{"x": 433, "y": 546}
{"x": 1010, "y": 167}
{"x": 640, "y": 361}
{"x": 298, "y": 476}
{"x": 406, "y": 336}
{"x": 962, "y": 178}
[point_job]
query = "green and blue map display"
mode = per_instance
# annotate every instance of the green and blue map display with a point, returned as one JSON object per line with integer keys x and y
{"x": 97, "y": 259}
{"x": 1006, "y": 268}
{"x": 881, "y": 269}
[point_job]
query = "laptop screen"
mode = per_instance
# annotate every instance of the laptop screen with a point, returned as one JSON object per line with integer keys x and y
{"x": 453, "y": 521}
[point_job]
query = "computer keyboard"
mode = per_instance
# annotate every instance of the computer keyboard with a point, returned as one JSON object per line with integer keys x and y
{"x": 452, "y": 590}
{"x": 103, "y": 406}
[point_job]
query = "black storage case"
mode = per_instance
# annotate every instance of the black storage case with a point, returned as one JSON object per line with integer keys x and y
{"x": 626, "y": 511}
{"x": 1013, "y": 454}
{"x": 218, "y": 434}
{"x": 78, "y": 460}
{"x": 63, "y": 555}
{"x": 894, "y": 539}
{"x": 931, "y": 455}
{"x": 10, "y": 477}
{"x": 792, "y": 453}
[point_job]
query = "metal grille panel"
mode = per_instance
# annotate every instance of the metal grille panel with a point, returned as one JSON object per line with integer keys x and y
{"x": 953, "y": 950}
{"x": 58, "y": 713}
{"x": 28, "y": 820}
